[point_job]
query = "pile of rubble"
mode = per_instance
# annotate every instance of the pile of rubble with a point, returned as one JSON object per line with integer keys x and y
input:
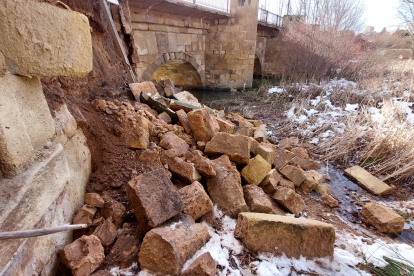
{"x": 215, "y": 159}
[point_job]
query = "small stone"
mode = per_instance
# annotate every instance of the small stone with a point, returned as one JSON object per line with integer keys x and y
{"x": 138, "y": 139}
{"x": 165, "y": 117}
{"x": 300, "y": 153}
{"x": 237, "y": 147}
{"x": 384, "y": 219}
{"x": 290, "y": 200}
{"x": 202, "y": 125}
{"x": 203, "y": 165}
{"x": 267, "y": 151}
{"x": 124, "y": 252}
{"x": 281, "y": 159}
{"x": 99, "y": 105}
{"x": 328, "y": 177}
{"x": 182, "y": 116}
{"x": 313, "y": 179}
{"x": 260, "y": 135}
{"x": 94, "y": 199}
{"x": 196, "y": 201}
{"x": 257, "y": 200}
{"x": 329, "y": 200}
{"x": 258, "y": 123}
{"x": 85, "y": 215}
{"x": 269, "y": 183}
{"x": 308, "y": 164}
{"x": 226, "y": 126}
{"x": 294, "y": 174}
{"x": 106, "y": 232}
{"x": 368, "y": 181}
{"x": 172, "y": 141}
{"x": 243, "y": 130}
{"x": 322, "y": 189}
{"x": 202, "y": 266}
{"x": 288, "y": 143}
{"x": 185, "y": 171}
{"x": 256, "y": 170}
{"x": 115, "y": 210}
{"x": 201, "y": 145}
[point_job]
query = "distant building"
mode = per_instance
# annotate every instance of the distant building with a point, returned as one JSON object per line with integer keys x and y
{"x": 369, "y": 31}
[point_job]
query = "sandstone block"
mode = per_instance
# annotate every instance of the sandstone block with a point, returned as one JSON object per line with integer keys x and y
{"x": 225, "y": 188}
{"x": 115, "y": 210}
{"x": 203, "y": 165}
{"x": 201, "y": 123}
{"x": 3, "y": 66}
{"x": 175, "y": 242}
{"x": 202, "y": 266}
{"x": 236, "y": 147}
{"x": 172, "y": 141}
{"x": 329, "y": 200}
{"x": 196, "y": 201}
{"x": 187, "y": 97}
{"x": 106, "y": 232}
{"x": 260, "y": 135}
{"x": 137, "y": 139}
{"x": 243, "y": 130}
{"x": 300, "y": 153}
{"x": 225, "y": 126}
{"x": 165, "y": 117}
{"x": 308, "y": 164}
{"x": 125, "y": 251}
{"x": 288, "y": 143}
{"x": 153, "y": 199}
{"x": 201, "y": 145}
{"x": 267, "y": 151}
{"x": 269, "y": 183}
{"x": 185, "y": 171}
{"x": 83, "y": 256}
{"x": 182, "y": 116}
{"x": 368, "y": 181}
{"x": 256, "y": 170}
{"x": 255, "y": 145}
{"x": 294, "y": 174}
{"x": 85, "y": 215}
{"x": 313, "y": 179}
{"x": 94, "y": 199}
{"x": 257, "y": 200}
{"x": 283, "y": 182}
{"x": 169, "y": 88}
{"x": 290, "y": 200}
{"x": 32, "y": 49}
{"x": 384, "y": 219}
{"x": 146, "y": 87}
{"x": 322, "y": 189}
{"x": 281, "y": 159}
{"x": 294, "y": 237}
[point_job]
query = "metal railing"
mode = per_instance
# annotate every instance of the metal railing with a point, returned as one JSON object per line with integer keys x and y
{"x": 222, "y": 5}
{"x": 270, "y": 18}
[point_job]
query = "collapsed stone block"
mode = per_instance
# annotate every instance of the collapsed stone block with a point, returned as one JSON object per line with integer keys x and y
{"x": 188, "y": 98}
{"x": 176, "y": 242}
{"x": 196, "y": 201}
{"x": 329, "y": 200}
{"x": 203, "y": 165}
{"x": 94, "y": 199}
{"x": 256, "y": 170}
{"x": 106, "y": 232}
{"x": 153, "y": 199}
{"x": 146, "y": 87}
{"x": 313, "y": 179}
{"x": 260, "y": 135}
{"x": 290, "y": 200}
{"x": 281, "y": 159}
{"x": 165, "y": 117}
{"x": 169, "y": 88}
{"x": 115, "y": 210}
{"x": 201, "y": 123}
{"x": 288, "y": 143}
{"x": 83, "y": 256}
{"x": 269, "y": 183}
{"x": 236, "y": 147}
{"x": 243, "y": 130}
{"x": 254, "y": 146}
{"x": 294, "y": 237}
{"x": 202, "y": 266}
{"x": 225, "y": 188}
{"x": 137, "y": 139}
{"x": 182, "y": 116}
{"x": 267, "y": 151}
{"x": 30, "y": 46}
{"x": 257, "y": 200}
{"x": 308, "y": 164}
{"x": 300, "y": 153}
{"x": 185, "y": 171}
{"x": 368, "y": 181}
{"x": 294, "y": 174}
{"x": 322, "y": 189}
{"x": 125, "y": 251}
{"x": 384, "y": 219}
{"x": 172, "y": 141}
{"x": 225, "y": 126}
{"x": 85, "y": 215}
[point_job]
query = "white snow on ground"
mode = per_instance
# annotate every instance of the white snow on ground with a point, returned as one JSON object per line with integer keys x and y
{"x": 351, "y": 107}
{"x": 276, "y": 89}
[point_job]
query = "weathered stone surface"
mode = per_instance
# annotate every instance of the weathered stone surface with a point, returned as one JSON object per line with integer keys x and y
{"x": 269, "y": 183}
{"x": 94, "y": 199}
{"x": 3, "y": 66}
{"x": 257, "y": 200}
{"x": 281, "y": 159}
{"x": 202, "y": 266}
{"x": 201, "y": 145}
{"x": 172, "y": 141}
{"x": 153, "y": 199}
{"x": 313, "y": 179}
{"x": 279, "y": 235}
{"x": 208, "y": 217}
{"x": 384, "y": 219}
{"x": 283, "y": 182}
{"x": 308, "y": 164}
{"x": 293, "y": 174}
{"x": 290, "y": 200}
{"x": 256, "y": 170}
{"x": 260, "y": 135}
{"x": 368, "y": 181}
{"x": 137, "y": 139}
{"x": 66, "y": 121}
{"x": 225, "y": 126}
{"x": 83, "y": 256}
{"x": 196, "y": 201}
{"x": 267, "y": 151}
{"x": 169, "y": 88}
{"x": 255, "y": 145}
{"x": 115, "y": 210}
{"x": 225, "y": 188}
{"x": 236, "y": 147}
{"x": 329, "y": 200}
{"x": 125, "y": 251}
{"x": 182, "y": 116}
{"x": 165, "y": 117}
{"x": 106, "y": 232}
{"x": 288, "y": 143}
{"x": 175, "y": 242}
{"x": 300, "y": 153}
{"x": 185, "y": 171}
{"x": 201, "y": 123}
{"x": 203, "y": 165}
{"x": 147, "y": 87}
{"x": 188, "y": 98}
{"x": 85, "y": 215}
{"x": 243, "y": 130}
{"x": 322, "y": 189}
{"x": 32, "y": 49}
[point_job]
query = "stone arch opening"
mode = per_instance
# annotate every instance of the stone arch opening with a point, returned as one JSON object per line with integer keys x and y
{"x": 179, "y": 67}
{"x": 257, "y": 70}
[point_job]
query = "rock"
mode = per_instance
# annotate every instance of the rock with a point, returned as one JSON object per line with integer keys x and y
{"x": 260, "y": 135}
{"x": 172, "y": 141}
{"x": 243, "y": 130}
{"x": 236, "y": 147}
{"x": 153, "y": 199}
{"x": 115, "y": 210}
{"x": 182, "y": 116}
{"x": 267, "y": 151}
{"x": 202, "y": 125}
{"x": 79, "y": 118}
{"x": 187, "y": 97}
{"x": 294, "y": 237}
{"x": 288, "y": 143}
{"x": 183, "y": 170}
{"x": 165, "y": 249}
{"x": 294, "y": 174}
{"x": 322, "y": 189}
{"x": 201, "y": 145}
{"x": 124, "y": 252}
{"x": 208, "y": 217}
{"x": 83, "y": 256}
{"x": 169, "y": 88}
{"x": 257, "y": 200}
{"x": 257, "y": 123}
{"x": 384, "y": 219}
{"x": 368, "y": 181}
{"x": 226, "y": 126}
{"x": 137, "y": 139}
{"x": 203, "y": 165}
{"x": 225, "y": 188}
{"x": 290, "y": 200}
{"x": 256, "y": 170}
{"x": 313, "y": 179}
{"x": 283, "y": 182}
{"x": 196, "y": 201}
{"x": 99, "y": 105}
{"x": 165, "y": 117}
{"x": 106, "y": 232}
{"x": 85, "y": 215}
{"x": 255, "y": 145}
{"x": 150, "y": 156}
{"x": 65, "y": 120}
{"x": 269, "y": 183}
{"x": 329, "y": 200}
{"x": 281, "y": 159}
{"x": 147, "y": 87}
{"x": 300, "y": 153}
{"x": 308, "y": 164}
{"x": 94, "y": 199}
{"x": 202, "y": 266}
{"x": 3, "y": 66}
{"x": 328, "y": 177}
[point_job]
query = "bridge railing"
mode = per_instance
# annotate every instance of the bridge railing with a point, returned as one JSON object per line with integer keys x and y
{"x": 270, "y": 18}
{"x": 222, "y": 5}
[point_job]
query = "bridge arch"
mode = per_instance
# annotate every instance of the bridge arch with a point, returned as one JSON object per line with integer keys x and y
{"x": 180, "y": 58}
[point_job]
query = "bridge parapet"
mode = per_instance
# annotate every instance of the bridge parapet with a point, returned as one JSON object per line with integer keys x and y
{"x": 269, "y": 19}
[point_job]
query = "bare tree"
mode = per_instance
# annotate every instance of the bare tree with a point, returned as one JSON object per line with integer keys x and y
{"x": 406, "y": 10}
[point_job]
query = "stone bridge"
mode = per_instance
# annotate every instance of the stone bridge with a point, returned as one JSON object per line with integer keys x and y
{"x": 198, "y": 46}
